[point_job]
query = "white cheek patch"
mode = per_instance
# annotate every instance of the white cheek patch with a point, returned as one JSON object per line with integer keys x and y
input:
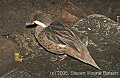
{"x": 40, "y": 23}
{"x": 61, "y": 45}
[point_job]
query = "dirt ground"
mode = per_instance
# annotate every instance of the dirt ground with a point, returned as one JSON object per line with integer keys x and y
{"x": 15, "y": 37}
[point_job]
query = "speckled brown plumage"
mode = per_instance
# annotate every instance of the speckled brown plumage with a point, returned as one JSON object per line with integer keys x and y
{"x": 58, "y": 38}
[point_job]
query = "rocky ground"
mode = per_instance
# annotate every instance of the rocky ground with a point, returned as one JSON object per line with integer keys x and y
{"x": 101, "y": 35}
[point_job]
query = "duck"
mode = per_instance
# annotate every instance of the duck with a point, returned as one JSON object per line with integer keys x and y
{"x": 60, "y": 39}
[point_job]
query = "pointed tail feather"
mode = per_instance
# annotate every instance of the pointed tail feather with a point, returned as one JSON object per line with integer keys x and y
{"x": 87, "y": 59}
{"x": 83, "y": 54}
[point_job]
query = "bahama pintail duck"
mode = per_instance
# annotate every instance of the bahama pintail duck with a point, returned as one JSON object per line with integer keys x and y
{"x": 58, "y": 38}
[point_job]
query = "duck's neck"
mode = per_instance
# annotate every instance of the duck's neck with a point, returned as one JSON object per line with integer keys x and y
{"x": 38, "y": 30}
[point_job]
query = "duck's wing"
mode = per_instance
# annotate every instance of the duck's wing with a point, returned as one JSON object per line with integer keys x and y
{"x": 60, "y": 33}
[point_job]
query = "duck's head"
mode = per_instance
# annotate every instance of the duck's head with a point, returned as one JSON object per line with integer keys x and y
{"x": 41, "y": 19}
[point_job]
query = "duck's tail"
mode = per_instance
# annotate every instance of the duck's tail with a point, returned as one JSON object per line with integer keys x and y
{"x": 83, "y": 54}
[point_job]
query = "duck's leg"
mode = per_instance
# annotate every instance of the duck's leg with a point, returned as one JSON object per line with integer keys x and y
{"x": 62, "y": 57}
{"x": 58, "y": 57}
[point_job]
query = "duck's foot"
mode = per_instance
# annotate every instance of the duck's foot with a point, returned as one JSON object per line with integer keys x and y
{"x": 54, "y": 58}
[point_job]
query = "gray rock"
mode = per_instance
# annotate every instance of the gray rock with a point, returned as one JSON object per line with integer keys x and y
{"x": 7, "y": 49}
{"x": 103, "y": 39}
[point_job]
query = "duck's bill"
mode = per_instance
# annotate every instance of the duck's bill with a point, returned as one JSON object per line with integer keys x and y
{"x": 30, "y": 24}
